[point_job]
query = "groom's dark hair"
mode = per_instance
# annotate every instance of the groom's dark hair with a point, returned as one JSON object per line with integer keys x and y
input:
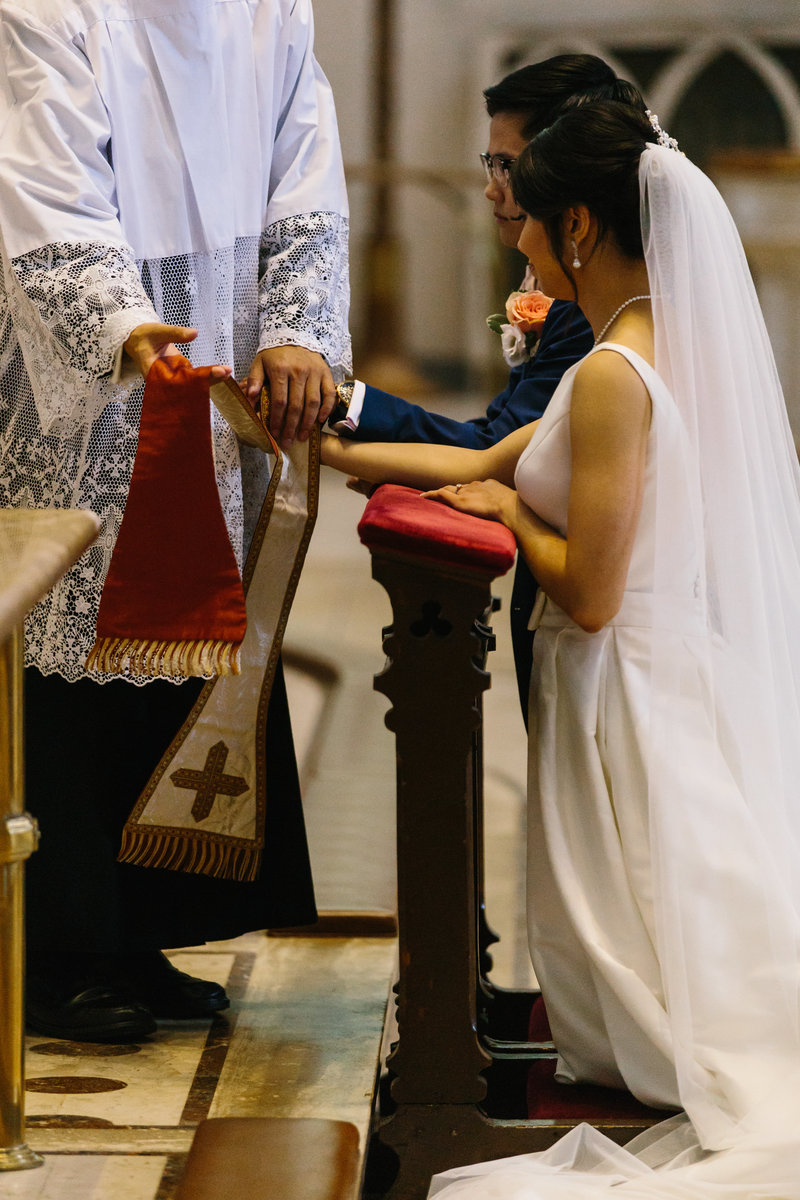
{"x": 542, "y": 91}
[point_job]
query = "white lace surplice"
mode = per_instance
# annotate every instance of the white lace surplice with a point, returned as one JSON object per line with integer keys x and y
{"x": 224, "y": 210}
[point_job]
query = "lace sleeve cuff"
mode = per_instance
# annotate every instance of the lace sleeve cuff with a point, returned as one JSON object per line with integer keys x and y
{"x": 73, "y": 305}
{"x": 304, "y": 286}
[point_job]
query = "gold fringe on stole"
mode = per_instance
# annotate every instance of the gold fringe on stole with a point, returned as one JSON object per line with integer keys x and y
{"x": 177, "y": 850}
{"x": 133, "y": 656}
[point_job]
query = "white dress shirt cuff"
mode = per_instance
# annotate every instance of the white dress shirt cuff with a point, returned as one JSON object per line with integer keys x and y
{"x": 350, "y": 423}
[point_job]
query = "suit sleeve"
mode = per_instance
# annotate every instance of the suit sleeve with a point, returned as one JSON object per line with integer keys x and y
{"x": 566, "y": 338}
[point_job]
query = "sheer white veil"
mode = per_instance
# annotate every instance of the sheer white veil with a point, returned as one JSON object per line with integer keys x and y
{"x": 740, "y": 483}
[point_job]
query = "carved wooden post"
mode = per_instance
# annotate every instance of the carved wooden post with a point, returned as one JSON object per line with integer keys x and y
{"x": 433, "y": 638}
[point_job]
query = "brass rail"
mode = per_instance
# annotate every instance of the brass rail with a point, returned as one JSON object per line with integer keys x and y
{"x": 18, "y": 840}
{"x": 36, "y": 548}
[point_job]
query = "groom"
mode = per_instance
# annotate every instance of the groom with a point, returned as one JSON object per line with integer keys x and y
{"x": 519, "y": 107}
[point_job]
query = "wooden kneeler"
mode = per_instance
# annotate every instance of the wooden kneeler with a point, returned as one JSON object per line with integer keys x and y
{"x": 272, "y": 1158}
{"x": 462, "y": 1045}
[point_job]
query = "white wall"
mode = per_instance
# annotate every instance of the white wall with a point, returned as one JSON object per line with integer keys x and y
{"x": 344, "y": 36}
{"x": 343, "y": 45}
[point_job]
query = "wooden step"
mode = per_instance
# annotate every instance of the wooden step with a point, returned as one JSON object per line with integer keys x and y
{"x": 272, "y": 1158}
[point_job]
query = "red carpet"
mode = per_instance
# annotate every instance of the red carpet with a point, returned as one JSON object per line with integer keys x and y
{"x": 548, "y": 1100}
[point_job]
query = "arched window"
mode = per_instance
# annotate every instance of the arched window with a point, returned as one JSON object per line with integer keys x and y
{"x": 727, "y": 106}
{"x": 715, "y": 92}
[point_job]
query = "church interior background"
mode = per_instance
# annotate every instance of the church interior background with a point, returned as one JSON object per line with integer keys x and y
{"x": 304, "y": 1034}
{"x": 723, "y": 76}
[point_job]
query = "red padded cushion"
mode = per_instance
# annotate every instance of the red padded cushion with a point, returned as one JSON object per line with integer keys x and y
{"x": 397, "y": 518}
{"x": 539, "y": 1024}
{"x": 549, "y": 1100}
{"x": 552, "y": 1101}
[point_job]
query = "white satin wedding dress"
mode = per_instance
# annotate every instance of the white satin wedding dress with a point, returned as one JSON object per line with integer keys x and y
{"x": 661, "y": 931}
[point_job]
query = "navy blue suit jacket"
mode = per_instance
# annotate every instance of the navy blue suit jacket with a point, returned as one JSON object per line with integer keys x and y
{"x": 565, "y": 339}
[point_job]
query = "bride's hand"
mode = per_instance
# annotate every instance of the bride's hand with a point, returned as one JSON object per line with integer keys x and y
{"x": 486, "y": 498}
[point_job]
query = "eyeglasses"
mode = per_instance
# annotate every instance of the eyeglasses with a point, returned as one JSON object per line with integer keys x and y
{"x": 497, "y": 167}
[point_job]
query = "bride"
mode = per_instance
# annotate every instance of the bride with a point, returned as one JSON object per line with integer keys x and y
{"x": 656, "y": 502}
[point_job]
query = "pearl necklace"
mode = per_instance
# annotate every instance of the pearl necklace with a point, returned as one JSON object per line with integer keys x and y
{"x": 614, "y": 316}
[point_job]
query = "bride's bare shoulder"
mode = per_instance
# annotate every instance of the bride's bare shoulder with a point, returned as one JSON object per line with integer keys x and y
{"x": 607, "y": 384}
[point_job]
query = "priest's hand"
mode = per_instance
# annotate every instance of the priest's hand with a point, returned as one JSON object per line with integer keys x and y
{"x": 151, "y": 341}
{"x": 301, "y": 390}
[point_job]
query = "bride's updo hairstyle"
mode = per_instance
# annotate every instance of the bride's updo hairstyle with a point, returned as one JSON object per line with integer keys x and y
{"x": 589, "y": 155}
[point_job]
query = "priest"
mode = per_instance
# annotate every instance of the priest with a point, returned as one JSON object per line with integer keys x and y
{"x": 172, "y": 183}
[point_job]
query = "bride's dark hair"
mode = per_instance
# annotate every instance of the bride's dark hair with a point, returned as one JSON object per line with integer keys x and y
{"x": 589, "y": 155}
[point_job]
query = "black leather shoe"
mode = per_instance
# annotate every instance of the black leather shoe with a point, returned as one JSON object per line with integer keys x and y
{"x": 85, "y": 1012}
{"x": 150, "y": 979}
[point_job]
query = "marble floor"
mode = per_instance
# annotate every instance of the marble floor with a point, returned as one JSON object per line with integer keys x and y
{"x": 301, "y": 1039}
{"x": 303, "y": 1033}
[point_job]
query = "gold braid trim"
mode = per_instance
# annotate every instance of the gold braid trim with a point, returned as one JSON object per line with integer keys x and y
{"x": 178, "y": 850}
{"x": 205, "y": 658}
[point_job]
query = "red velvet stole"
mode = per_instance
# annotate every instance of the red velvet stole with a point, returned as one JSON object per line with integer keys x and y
{"x": 173, "y": 602}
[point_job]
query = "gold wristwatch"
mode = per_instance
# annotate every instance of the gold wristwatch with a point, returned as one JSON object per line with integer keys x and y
{"x": 344, "y": 394}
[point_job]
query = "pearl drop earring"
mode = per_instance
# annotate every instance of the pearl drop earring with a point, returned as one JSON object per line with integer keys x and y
{"x": 576, "y": 262}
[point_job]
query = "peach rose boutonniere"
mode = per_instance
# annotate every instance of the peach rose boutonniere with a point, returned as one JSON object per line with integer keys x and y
{"x": 520, "y": 326}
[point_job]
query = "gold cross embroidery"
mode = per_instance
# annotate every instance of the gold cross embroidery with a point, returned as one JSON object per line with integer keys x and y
{"x": 210, "y": 782}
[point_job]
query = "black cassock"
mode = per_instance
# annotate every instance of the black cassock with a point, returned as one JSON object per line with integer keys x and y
{"x": 90, "y": 749}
